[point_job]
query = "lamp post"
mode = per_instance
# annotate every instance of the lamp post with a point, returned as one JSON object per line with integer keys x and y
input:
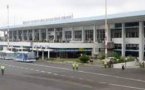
{"x": 106, "y": 31}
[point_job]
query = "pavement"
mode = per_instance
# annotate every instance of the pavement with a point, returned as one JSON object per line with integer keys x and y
{"x": 60, "y": 76}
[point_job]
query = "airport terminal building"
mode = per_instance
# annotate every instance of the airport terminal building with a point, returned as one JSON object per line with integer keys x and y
{"x": 68, "y": 37}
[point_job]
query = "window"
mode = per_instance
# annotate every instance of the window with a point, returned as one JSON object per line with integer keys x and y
{"x": 132, "y": 33}
{"x": 78, "y": 35}
{"x": 89, "y": 35}
{"x": 131, "y": 24}
{"x": 132, "y": 46}
{"x": 68, "y": 35}
{"x": 118, "y": 25}
{"x": 100, "y": 35}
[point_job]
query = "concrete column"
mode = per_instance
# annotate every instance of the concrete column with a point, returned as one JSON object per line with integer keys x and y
{"x": 54, "y": 33}
{"x": 17, "y": 35}
{"x": 22, "y": 35}
{"x": 5, "y": 36}
{"x": 83, "y": 34}
{"x": 63, "y": 35}
{"x": 109, "y": 34}
{"x": 33, "y": 35}
{"x": 48, "y": 54}
{"x": 12, "y": 35}
{"x": 37, "y": 53}
{"x": 27, "y": 35}
{"x": 47, "y": 35}
{"x": 40, "y": 37}
{"x": 42, "y": 54}
{"x": 141, "y": 41}
{"x": 123, "y": 40}
{"x": 94, "y": 34}
{"x": 72, "y": 33}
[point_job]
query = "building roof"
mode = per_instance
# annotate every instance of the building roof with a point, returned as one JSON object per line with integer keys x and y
{"x": 120, "y": 17}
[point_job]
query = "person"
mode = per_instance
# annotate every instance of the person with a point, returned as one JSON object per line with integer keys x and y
{"x": 73, "y": 65}
{"x": 2, "y": 69}
{"x": 123, "y": 67}
{"x": 76, "y": 66}
{"x": 105, "y": 64}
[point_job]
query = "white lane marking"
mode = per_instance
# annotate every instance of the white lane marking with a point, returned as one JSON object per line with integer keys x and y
{"x": 63, "y": 75}
{"x": 103, "y": 82}
{"x": 127, "y": 86}
{"x": 26, "y": 68}
{"x": 100, "y": 74}
{"x": 42, "y": 71}
{"x": 90, "y": 80}
{"x": 71, "y": 76}
{"x": 37, "y": 70}
{"x": 32, "y": 69}
{"x": 55, "y": 74}
{"x": 17, "y": 66}
{"x": 49, "y": 72}
{"x": 21, "y": 67}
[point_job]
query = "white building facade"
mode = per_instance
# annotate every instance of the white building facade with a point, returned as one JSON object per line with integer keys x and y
{"x": 72, "y": 37}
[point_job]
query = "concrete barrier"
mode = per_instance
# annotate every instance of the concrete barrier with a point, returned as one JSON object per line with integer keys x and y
{"x": 132, "y": 64}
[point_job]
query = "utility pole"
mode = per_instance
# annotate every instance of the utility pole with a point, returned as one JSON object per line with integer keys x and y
{"x": 7, "y": 27}
{"x": 106, "y": 31}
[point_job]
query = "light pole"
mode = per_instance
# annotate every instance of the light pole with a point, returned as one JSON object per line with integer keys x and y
{"x": 7, "y": 27}
{"x": 106, "y": 31}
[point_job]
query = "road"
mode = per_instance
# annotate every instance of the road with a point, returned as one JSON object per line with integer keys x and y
{"x": 55, "y": 76}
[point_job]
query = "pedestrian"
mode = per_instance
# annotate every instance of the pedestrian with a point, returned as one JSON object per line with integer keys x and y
{"x": 2, "y": 69}
{"x": 73, "y": 65}
{"x": 76, "y": 66}
{"x": 123, "y": 67}
{"x": 142, "y": 64}
{"x": 105, "y": 64}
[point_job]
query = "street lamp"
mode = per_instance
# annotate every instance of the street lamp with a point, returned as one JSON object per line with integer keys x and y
{"x": 106, "y": 31}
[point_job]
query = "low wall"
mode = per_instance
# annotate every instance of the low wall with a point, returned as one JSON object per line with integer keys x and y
{"x": 128, "y": 64}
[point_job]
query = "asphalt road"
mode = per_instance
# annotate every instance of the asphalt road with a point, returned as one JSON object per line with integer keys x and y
{"x": 56, "y": 76}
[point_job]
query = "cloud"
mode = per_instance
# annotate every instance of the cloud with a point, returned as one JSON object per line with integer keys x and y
{"x": 24, "y": 10}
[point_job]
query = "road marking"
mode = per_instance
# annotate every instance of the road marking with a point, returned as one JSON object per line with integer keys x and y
{"x": 49, "y": 72}
{"x": 103, "y": 82}
{"x": 127, "y": 86}
{"x": 32, "y": 69}
{"x": 55, "y": 74}
{"x": 26, "y": 68}
{"x": 100, "y": 74}
{"x": 97, "y": 82}
{"x": 71, "y": 76}
{"x": 21, "y": 67}
{"x": 37, "y": 70}
{"x": 63, "y": 75}
{"x": 42, "y": 71}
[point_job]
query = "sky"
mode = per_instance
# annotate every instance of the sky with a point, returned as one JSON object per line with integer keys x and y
{"x": 26, "y": 10}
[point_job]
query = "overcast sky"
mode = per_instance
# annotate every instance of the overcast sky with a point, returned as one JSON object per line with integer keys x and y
{"x": 25, "y": 10}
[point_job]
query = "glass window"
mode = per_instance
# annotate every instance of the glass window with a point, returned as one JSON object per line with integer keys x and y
{"x": 78, "y": 35}
{"x": 89, "y": 35}
{"x": 100, "y": 35}
{"x": 68, "y": 35}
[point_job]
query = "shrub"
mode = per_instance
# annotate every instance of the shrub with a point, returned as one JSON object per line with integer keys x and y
{"x": 114, "y": 54}
{"x": 121, "y": 60}
{"x": 102, "y": 57}
{"x": 130, "y": 58}
{"x": 84, "y": 58}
